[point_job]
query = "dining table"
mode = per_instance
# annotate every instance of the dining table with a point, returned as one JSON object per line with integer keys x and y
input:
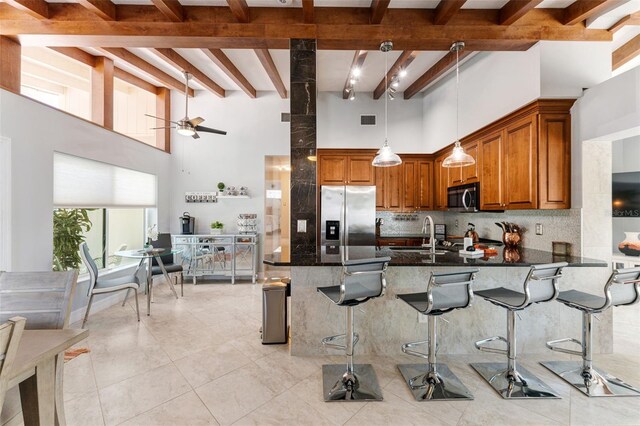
{"x": 146, "y": 256}
{"x": 34, "y": 371}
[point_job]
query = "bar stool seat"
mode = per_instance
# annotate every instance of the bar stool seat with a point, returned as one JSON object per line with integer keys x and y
{"x": 509, "y": 379}
{"x": 361, "y": 280}
{"x": 446, "y": 291}
{"x": 622, "y": 288}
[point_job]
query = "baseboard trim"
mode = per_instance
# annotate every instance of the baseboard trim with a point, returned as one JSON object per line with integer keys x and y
{"x": 100, "y": 305}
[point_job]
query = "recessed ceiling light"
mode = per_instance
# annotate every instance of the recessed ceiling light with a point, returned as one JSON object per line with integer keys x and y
{"x": 356, "y": 72}
{"x": 403, "y": 73}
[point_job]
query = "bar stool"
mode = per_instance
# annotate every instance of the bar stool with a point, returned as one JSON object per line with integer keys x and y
{"x": 446, "y": 291}
{"x": 622, "y": 288}
{"x": 540, "y": 285}
{"x": 361, "y": 280}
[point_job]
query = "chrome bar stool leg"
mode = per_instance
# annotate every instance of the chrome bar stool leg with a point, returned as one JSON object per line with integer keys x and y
{"x": 431, "y": 381}
{"x": 583, "y": 376}
{"x": 510, "y": 380}
{"x": 341, "y": 385}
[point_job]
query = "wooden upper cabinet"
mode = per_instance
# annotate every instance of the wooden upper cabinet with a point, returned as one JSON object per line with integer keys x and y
{"x": 393, "y": 189}
{"x": 554, "y": 161}
{"x": 491, "y": 174}
{"x": 441, "y": 182}
{"x": 360, "y": 171}
{"x": 425, "y": 185}
{"x": 380, "y": 188}
{"x": 410, "y": 187}
{"x": 332, "y": 169}
{"x": 471, "y": 174}
{"x": 520, "y": 157}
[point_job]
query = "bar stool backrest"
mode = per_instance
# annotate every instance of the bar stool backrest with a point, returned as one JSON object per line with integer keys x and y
{"x": 541, "y": 284}
{"x": 450, "y": 290}
{"x": 623, "y": 287}
{"x": 363, "y": 279}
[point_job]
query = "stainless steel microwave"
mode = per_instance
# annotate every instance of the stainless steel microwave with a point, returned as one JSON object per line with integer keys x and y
{"x": 464, "y": 198}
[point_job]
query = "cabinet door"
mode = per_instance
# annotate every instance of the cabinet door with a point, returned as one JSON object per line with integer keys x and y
{"x": 380, "y": 188}
{"x": 425, "y": 185}
{"x": 491, "y": 188}
{"x": 454, "y": 176}
{"x": 410, "y": 187}
{"x": 333, "y": 170}
{"x": 554, "y": 161}
{"x": 393, "y": 188}
{"x": 441, "y": 179}
{"x": 521, "y": 165}
{"x": 471, "y": 174}
{"x": 359, "y": 170}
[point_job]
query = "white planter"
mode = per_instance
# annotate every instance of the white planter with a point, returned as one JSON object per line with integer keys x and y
{"x": 216, "y": 231}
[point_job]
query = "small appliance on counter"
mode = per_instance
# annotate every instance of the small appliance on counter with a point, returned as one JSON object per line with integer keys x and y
{"x": 187, "y": 224}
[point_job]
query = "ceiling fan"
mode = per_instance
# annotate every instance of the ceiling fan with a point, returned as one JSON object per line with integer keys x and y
{"x": 187, "y": 126}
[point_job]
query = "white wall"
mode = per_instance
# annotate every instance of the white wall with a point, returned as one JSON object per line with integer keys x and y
{"x": 339, "y": 122}
{"x": 237, "y": 159}
{"x": 36, "y": 131}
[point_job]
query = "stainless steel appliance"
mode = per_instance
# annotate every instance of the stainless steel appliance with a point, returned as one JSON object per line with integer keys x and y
{"x": 464, "y": 198}
{"x": 187, "y": 224}
{"x": 348, "y": 215}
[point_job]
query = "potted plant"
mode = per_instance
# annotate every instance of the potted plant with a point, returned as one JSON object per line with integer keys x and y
{"x": 69, "y": 227}
{"x": 216, "y": 227}
{"x": 221, "y": 187}
{"x": 152, "y": 235}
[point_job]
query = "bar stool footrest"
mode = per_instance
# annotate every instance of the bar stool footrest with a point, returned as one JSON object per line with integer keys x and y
{"x": 520, "y": 384}
{"x": 407, "y": 348}
{"x": 447, "y": 388}
{"x": 337, "y": 388}
{"x": 482, "y": 345}
{"x": 594, "y": 383}
{"x": 553, "y": 345}
{"x": 329, "y": 341}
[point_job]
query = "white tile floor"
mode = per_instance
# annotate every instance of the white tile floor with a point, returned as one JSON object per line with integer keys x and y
{"x": 199, "y": 361}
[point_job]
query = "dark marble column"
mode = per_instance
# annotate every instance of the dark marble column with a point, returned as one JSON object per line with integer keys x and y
{"x": 303, "y": 140}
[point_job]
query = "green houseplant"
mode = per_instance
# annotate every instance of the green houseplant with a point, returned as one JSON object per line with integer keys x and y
{"x": 69, "y": 226}
{"x": 216, "y": 227}
{"x": 221, "y": 187}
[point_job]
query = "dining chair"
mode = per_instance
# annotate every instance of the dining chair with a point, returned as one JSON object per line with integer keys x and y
{"x": 10, "y": 333}
{"x": 99, "y": 285}
{"x": 44, "y": 299}
{"x": 164, "y": 241}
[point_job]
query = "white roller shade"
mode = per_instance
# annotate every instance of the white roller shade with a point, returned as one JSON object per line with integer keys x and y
{"x": 78, "y": 182}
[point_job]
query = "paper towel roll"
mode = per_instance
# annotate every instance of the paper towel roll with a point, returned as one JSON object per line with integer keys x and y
{"x": 468, "y": 242}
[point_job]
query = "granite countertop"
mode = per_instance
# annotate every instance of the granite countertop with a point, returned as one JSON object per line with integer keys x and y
{"x": 415, "y": 256}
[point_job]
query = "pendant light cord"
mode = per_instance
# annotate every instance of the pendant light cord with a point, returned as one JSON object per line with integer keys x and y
{"x": 457, "y": 96}
{"x": 386, "y": 99}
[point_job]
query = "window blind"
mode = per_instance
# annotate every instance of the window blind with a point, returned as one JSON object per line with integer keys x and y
{"x": 79, "y": 182}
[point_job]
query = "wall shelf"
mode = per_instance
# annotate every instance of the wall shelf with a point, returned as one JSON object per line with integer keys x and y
{"x": 233, "y": 196}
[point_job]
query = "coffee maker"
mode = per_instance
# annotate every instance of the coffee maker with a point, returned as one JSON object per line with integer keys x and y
{"x": 187, "y": 224}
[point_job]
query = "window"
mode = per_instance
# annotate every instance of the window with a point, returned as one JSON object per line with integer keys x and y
{"x": 130, "y": 104}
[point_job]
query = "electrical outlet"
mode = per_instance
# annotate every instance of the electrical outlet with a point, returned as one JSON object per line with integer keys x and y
{"x": 538, "y": 229}
{"x": 423, "y": 318}
{"x": 456, "y": 223}
{"x": 302, "y": 226}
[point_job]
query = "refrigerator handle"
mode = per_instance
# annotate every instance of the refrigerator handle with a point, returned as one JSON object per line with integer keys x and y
{"x": 345, "y": 229}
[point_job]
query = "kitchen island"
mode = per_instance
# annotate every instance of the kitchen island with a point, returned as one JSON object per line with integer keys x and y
{"x": 387, "y": 323}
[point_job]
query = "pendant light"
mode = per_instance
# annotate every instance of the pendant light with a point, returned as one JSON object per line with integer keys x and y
{"x": 385, "y": 156}
{"x": 458, "y": 157}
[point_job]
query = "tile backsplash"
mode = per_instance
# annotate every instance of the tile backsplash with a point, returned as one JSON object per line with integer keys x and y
{"x": 557, "y": 225}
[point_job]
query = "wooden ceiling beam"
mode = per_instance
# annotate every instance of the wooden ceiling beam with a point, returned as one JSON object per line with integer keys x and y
{"x": 626, "y": 52}
{"x": 308, "y": 11}
{"x": 135, "y": 61}
{"x": 172, "y": 9}
{"x": 240, "y": 10}
{"x": 134, "y": 80}
{"x": 378, "y": 10}
{"x": 401, "y": 63}
{"x": 76, "y": 54}
{"x": 580, "y": 10}
{"x": 218, "y": 57}
{"x": 104, "y": 9}
{"x": 516, "y": 9}
{"x": 356, "y": 65}
{"x": 38, "y": 9}
{"x": 435, "y": 72}
{"x": 172, "y": 57}
{"x": 446, "y": 9}
{"x": 632, "y": 19}
{"x": 270, "y": 67}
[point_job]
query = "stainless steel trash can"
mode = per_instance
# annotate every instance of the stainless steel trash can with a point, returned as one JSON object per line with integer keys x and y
{"x": 274, "y": 313}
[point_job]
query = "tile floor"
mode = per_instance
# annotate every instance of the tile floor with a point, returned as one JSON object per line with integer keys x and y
{"x": 199, "y": 361}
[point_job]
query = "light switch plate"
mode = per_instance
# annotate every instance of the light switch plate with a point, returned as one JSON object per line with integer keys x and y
{"x": 538, "y": 229}
{"x": 302, "y": 226}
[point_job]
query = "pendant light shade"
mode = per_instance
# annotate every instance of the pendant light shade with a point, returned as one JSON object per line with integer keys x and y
{"x": 458, "y": 157}
{"x": 385, "y": 156}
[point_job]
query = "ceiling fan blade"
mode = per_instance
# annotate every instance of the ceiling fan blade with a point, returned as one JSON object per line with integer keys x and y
{"x": 196, "y": 136}
{"x": 159, "y": 118}
{"x": 167, "y": 127}
{"x": 210, "y": 130}
{"x": 196, "y": 121}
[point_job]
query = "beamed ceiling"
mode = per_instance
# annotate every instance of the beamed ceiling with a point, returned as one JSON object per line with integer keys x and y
{"x": 241, "y": 45}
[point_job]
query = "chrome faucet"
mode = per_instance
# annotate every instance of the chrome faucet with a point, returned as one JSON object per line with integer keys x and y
{"x": 432, "y": 239}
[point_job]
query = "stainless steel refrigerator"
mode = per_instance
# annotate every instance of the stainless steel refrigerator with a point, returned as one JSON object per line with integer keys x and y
{"x": 348, "y": 215}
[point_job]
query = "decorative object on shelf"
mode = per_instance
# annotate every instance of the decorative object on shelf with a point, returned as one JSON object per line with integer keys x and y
{"x": 405, "y": 216}
{"x": 561, "y": 248}
{"x": 216, "y": 228}
{"x": 386, "y": 157}
{"x": 200, "y": 197}
{"x": 458, "y": 157}
{"x": 630, "y": 246}
{"x": 247, "y": 223}
{"x": 221, "y": 187}
{"x": 511, "y": 234}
